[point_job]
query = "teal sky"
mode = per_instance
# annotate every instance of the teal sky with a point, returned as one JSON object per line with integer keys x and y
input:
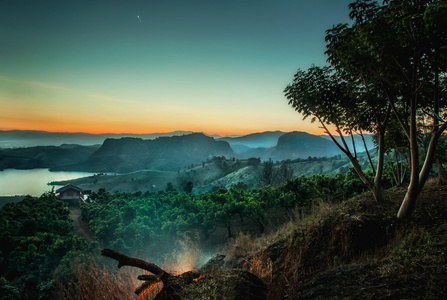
{"x": 155, "y": 66}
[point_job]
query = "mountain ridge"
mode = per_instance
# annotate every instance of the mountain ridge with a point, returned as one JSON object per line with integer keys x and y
{"x": 32, "y": 138}
{"x": 163, "y": 153}
{"x": 128, "y": 154}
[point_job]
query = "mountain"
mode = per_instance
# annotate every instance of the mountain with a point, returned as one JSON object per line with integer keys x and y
{"x": 163, "y": 153}
{"x": 280, "y": 145}
{"x": 302, "y": 145}
{"x": 357, "y": 140}
{"x": 266, "y": 139}
{"x": 30, "y": 138}
{"x": 44, "y": 156}
{"x": 128, "y": 154}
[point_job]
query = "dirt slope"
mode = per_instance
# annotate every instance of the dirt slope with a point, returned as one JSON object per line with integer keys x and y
{"x": 79, "y": 226}
{"x": 359, "y": 250}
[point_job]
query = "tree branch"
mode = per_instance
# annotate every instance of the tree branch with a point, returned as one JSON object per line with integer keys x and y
{"x": 124, "y": 260}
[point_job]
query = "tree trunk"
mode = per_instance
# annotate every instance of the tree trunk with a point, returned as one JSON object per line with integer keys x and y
{"x": 375, "y": 187}
{"x": 378, "y": 189}
{"x": 409, "y": 201}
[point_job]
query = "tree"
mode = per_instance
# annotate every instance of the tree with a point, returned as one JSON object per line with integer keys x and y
{"x": 170, "y": 188}
{"x": 267, "y": 174}
{"x": 400, "y": 45}
{"x": 284, "y": 173}
{"x": 338, "y": 100}
{"x": 187, "y": 187}
{"x": 397, "y": 152}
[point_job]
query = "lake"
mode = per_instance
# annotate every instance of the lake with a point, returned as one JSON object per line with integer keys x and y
{"x": 32, "y": 182}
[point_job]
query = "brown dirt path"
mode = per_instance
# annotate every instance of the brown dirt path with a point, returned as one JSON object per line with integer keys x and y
{"x": 79, "y": 226}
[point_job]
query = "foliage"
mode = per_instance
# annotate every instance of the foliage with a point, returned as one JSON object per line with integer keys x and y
{"x": 391, "y": 58}
{"x": 335, "y": 99}
{"x": 34, "y": 237}
{"x": 130, "y": 222}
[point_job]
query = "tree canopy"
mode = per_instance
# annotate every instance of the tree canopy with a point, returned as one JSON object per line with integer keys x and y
{"x": 391, "y": 58}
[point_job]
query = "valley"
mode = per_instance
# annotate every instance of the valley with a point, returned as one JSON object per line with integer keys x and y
{"x": 206, "y": 162}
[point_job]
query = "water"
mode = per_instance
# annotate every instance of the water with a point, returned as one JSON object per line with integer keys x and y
{"x": 32, "y": 182}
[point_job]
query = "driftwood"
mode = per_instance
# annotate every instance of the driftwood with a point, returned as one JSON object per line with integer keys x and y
{"x": 170, "y": 282}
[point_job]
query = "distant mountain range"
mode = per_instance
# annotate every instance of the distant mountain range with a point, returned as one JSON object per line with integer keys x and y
{"x": 161, "y": 152}
{"x": 30, "y": 138}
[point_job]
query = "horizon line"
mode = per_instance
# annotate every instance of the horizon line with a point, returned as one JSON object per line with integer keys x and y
{"x": 153, "y": 133}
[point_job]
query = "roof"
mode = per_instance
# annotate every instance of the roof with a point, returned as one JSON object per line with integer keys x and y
{"x": 69, "y": 187}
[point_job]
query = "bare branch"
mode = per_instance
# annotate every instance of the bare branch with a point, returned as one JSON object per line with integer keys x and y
{"x": 124, "y": 260}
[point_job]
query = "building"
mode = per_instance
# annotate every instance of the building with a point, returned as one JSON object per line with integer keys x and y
{"x": 71, "y": 194}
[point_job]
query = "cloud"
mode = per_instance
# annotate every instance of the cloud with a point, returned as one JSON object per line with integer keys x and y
{"x": 52, "y": 86}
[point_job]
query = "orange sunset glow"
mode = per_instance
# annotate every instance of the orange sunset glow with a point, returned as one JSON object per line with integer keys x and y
{"x": 218, "y": 69}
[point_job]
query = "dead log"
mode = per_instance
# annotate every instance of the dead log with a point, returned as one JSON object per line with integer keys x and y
{"x": 170, "y": 282}
{"x": 124, "y": 260}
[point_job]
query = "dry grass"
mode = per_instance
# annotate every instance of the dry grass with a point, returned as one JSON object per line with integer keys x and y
{"x": 364, "y": 240}
{"x": 92, "y": 282}
{"x": 261, "y": 266}
{"x": 244, "y": 245}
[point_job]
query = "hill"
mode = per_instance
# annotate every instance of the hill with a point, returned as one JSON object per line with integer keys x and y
{"x": 359, "y": 250}
{"x": 302, "y": 145}
{"x": 351, "y": 250}
{"x": 267, "y": 139}
{"x": 164, "y": 153}
{"x": 140, "y": 181}
{"x": 131, "y": 154}
{"x": 254, "y": 145}
{"x": 215, "y": 172}
{"x": 280, "y": 145}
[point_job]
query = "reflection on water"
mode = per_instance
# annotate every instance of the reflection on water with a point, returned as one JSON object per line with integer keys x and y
{"x": 32, "y": 182}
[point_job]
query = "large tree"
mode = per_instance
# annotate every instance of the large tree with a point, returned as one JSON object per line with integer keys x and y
{"x": 345, "y": 105}
{"x": 401, "y": 44}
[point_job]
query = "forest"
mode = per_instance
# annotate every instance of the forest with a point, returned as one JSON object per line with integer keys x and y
{"x": 38, "y": 247}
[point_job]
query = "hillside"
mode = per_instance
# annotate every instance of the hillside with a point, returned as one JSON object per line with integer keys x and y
{"x": 360, "y": 246}
{"x": 215, "y": 172}
{"x": 353, "y": 250}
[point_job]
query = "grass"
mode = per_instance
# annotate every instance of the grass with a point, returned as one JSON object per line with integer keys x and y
{"x": 91, "y": 281}
{"x": 361, "y": 246}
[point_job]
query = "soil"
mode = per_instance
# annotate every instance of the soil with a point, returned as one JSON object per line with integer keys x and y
{"x": 359, "y": 250}
{"x": 79, "y": 226}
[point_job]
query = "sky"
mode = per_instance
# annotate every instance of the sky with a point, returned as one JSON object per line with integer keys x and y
{"x": 213, "y": 66}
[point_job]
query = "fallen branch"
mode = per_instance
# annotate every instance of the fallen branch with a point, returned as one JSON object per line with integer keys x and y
{"x": 170, "y": 282}
{"x": 124, "y": 260}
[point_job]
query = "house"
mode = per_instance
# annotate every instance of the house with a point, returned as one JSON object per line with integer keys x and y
{"x": 71, "y": 194}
